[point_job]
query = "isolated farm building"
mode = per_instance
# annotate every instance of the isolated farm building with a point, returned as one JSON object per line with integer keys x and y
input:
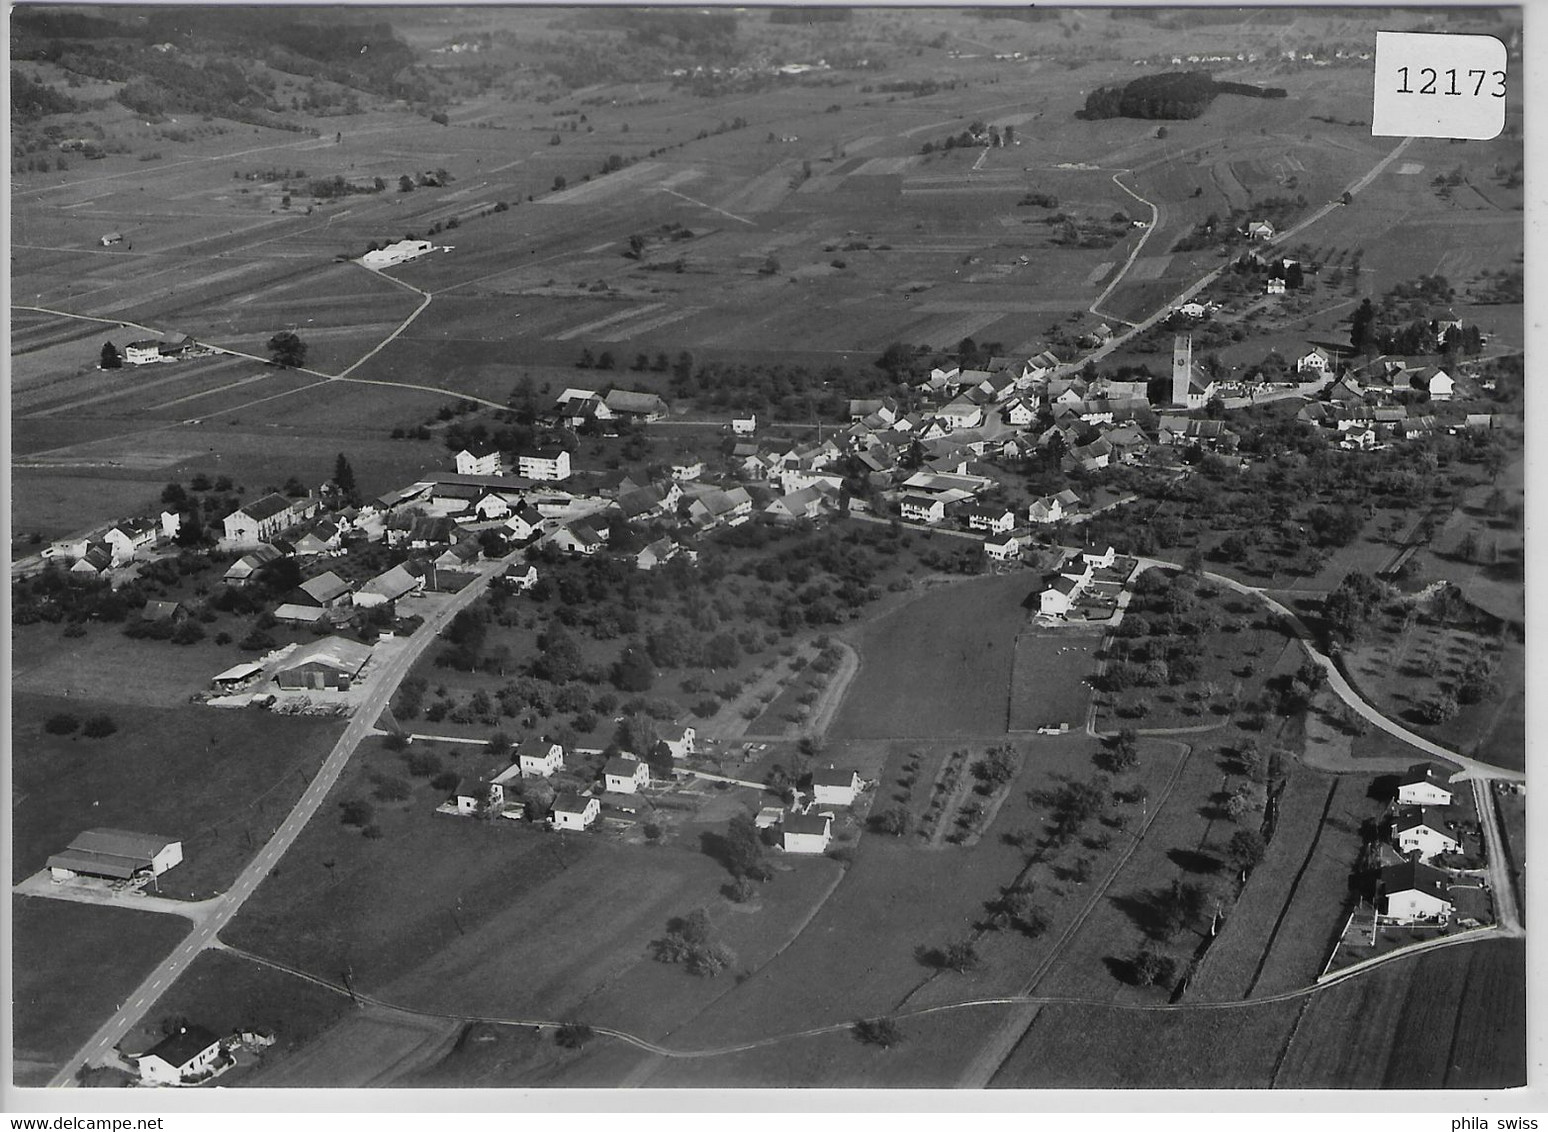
{"x": 995, "y": 520}
{"x": 1002, "y": 548}
{"x": 832, "y": 787}
{"x": 1434, "y": 381}
{"x": 744, "y": 426}
{"x": 524, "y": 522}
{"x": 539, "y": 759}
{"x": 678, "y": 737}
{"x": 519, "y": 579}
{"x": 241, "y": 572}
{"x": 332, "y": 662}
{"x": 171, "y": 351}
{"x": 1413, "y": 891}
{"x": 574, "y": 811}
{"x": 1423, "y": 785}
{"x": 394, "y": 254}
{"x": 658, "y": 553}
{"x": 1419, "y": 830}
{"x": 264, "y": 518}
{"x": 806, "y": 833}
{"x": 629, "y": 405}
{"x": 143, "y": 352}
{"x": 478, "y": 460}
{"x": 473, "y": 796}
{"x": 1259, "y": 230}
{"x": 1193, "y": 310}
{"x": 155, "y": 611}
{"x": 115, "y": 854}
{"x": 390, "y": 585}
{"x": 179, "y": 1057}
{"x": 110, "y": 239}
{"x": 625, "y": 775}
{"x": 546, "y": 463}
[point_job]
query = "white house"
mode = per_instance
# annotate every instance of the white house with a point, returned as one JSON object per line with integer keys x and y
{"x": 1002, "y": 548}
{"x": 264, "y": 518}
{"x": 1314, "y": 361}
{"x": 1059, "y": 598}
{"x": 143, "y": 352}
{"x": 1099, "y": 561}
{"x": 1259, "y": 230}
{"x": 524, "y": 522}
{"x": 995, "y": 520}
{"x": 179, "y": 1057}
{"x": 479, "y": 460}
{"x": 679, "y": 738}
{"x": 518, "y": 579}
{"x": 922, "y": 509}
{"x": 1413, "y": 891}
{"x": 1422, "y": 831}
{"x": 539, "y": 759}
{"x": 574, "y": 811}
{"x": 1423, "y": 785}
{"x": 1434, "y": 381}
{"x": 552, "y": 463}
{"x": 1020, "y": 412}
{"x": 806, "y": 833}
{"x": 388, "y": 586}
{"x": 835, "y": 787}
{"x": 625, "y": 775}
{"x": 744, "y": 426}
{"x": 473, "y": 795}
{"x": 394, "y": 254}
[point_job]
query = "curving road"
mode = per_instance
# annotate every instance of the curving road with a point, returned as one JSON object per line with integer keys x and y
{"x": 221, "y": 910}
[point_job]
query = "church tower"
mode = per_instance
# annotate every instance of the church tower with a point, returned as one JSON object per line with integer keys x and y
{"x": 1182, "y": 368}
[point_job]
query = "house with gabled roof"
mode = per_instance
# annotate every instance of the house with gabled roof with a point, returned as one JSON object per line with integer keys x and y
{"x": 1413, "y": 891}
{"x": 326, "y": 590}
{"x": 479, "y": 459}
{"x": 183, "y": 1056}
{"x": 1088, "y": 457}
{"x": 1318, "y": 360}
{"x": 1003, "y": 547}
{"x": 317, "y": 538}
{"x": 744, "y": 425}
{"x": 115, "y": 854}
{"x": 578, "y": 538}
{"x": 474, "y": 796}
{"x": 547, "y": 463}
{"x": 401, "y": 580}
{"x": 806, "y": 833}
{"x": 996, "y": 519}
{"x": 1417, "y": 830}
{"x": 1434, "y": 381}
{"x": 427, "y": 531}
{"x": 539, "y": 758}
{"x": 807, "y": 503}
{"x": 629, "y": 405}
{"x": 524, "y": 522}
{"x": 331, "y": 663}
{"x": 625, "y": 774}
{"x": 264, "y": 518}
{"x": 922, "y": 508}
{"x": 832, "y": 787}
{"x": 654, "y": 554}
{"x": 678, "y": 737}
{"x": 1423, "y": 785}
{"x": 574, "y": 811}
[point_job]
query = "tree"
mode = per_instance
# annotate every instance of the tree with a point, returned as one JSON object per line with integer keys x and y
{"x": 405, "y": 184}
{"x": 99, "y": 727}
{"x": 633, "y": 671}
{"x": 883, "y": 1032}
{"x": 896, "y": 820}
{"x": 1362, "y": 328}
{"x": 110, "y": 357}
{"x": 742, "y": 848}
{"x": 286, "y": 350}
{"x": 1245, "y": 850}
{"x": 1152, "y": 968}
{"x": 960, "y": 956}
{"x": 573, "y": 1035}
{"x": 344, "y": 479}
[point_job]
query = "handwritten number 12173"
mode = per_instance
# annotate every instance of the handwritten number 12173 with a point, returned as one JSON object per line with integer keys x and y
{"x": 1431, "y": 76}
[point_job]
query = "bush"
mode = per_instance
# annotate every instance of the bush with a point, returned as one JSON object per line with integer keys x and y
{"x": 357, "y": 812}
{"x": 573, "y": 1035}
{"x": 882, "y": 1032}
{"x": 62, "y": 724}
{"x": 393, "y": 789}
{"x": 423, "y": 764}
{"x": 99, "y": 727}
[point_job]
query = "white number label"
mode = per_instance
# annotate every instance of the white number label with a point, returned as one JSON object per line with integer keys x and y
{"x": 1431, "y": 85}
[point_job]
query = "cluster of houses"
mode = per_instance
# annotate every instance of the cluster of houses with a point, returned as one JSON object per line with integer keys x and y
{"x": 1085, "y": 579}
{"x": 806, "y": 827}
{"x": 623, "y": 778}
{"x": 1368, "y": 405}
{"x": 151, "y": 351}
{"x": 1415, "y": 891}
{"x": 114, "y": 546}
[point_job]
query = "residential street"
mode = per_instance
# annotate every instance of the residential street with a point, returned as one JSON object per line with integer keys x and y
{"x": 222, "y": 909}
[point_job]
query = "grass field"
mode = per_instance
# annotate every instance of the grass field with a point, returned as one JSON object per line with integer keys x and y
{"x": 1049, "y": 678}
{"x": 1451, "y": 1019}
{"x": 63, "y": 987}
{"x": 187, "y": 772}
{"x": 962, "y": 688}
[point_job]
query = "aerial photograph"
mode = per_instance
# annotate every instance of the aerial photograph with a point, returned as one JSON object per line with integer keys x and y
{"x": 708, "y": 548}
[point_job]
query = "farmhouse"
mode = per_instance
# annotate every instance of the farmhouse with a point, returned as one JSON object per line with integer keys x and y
{"x": 143, "y": 352}
{"x": 546, "y": 463}
{"x": 332, "y": 662}
{"x": 744, "y": 426}
{"x": 179, "y": 1057}
{"x": 806, "y": 833}
{"x": 96, "y": 559}
{"x": 574, "y": 811}
{"x": 835, "y": 787}
{"x": 578, "y": 538}
{"x": 473, "y": 796}
{"x": 524, "y": 522}
{"x": 1419, "y": 831}
{"x": 629, "y": 405}
{"x": 1413, "y": 891}
{"x": 1052, "y": 508}
{"x": 538, "y": 759}
{"x": 1315, "y": 361}
{"x": 328, "y": 590}
{"x": 394, "y": 254}
{"x": 390, "y": 585}
{"x": 264, "y": 518}
{"x": 115, "y": 854}
{"x": 1259, "y": 230}
{"x": 1434, "y": 381}
{"x": 1423, "y": 785}
{"x": 625, "y": 775}
{"x": 129, "y": 537}
{"x": 318, "y": 538}
{"x": 658, "y": 553}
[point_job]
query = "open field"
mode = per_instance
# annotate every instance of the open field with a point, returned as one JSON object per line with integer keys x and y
{"x": 1049, "y": 678}
{"x": 1452, "y": 1019}
{"x": 183, "y": 772}
{"x": 62, "y": 986}
{"x": 962, "y": 688}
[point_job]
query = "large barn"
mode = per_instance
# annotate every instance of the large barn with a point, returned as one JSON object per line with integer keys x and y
{"x": 332, "y": 662}
{"x": 115, "y": 854}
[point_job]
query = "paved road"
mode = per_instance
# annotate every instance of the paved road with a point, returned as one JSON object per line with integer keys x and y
{"x": 223, "y": 908}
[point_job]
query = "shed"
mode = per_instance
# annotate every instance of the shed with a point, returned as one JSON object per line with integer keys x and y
{"x": 333, "y": 662}
{"x": 117, "y": 854}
